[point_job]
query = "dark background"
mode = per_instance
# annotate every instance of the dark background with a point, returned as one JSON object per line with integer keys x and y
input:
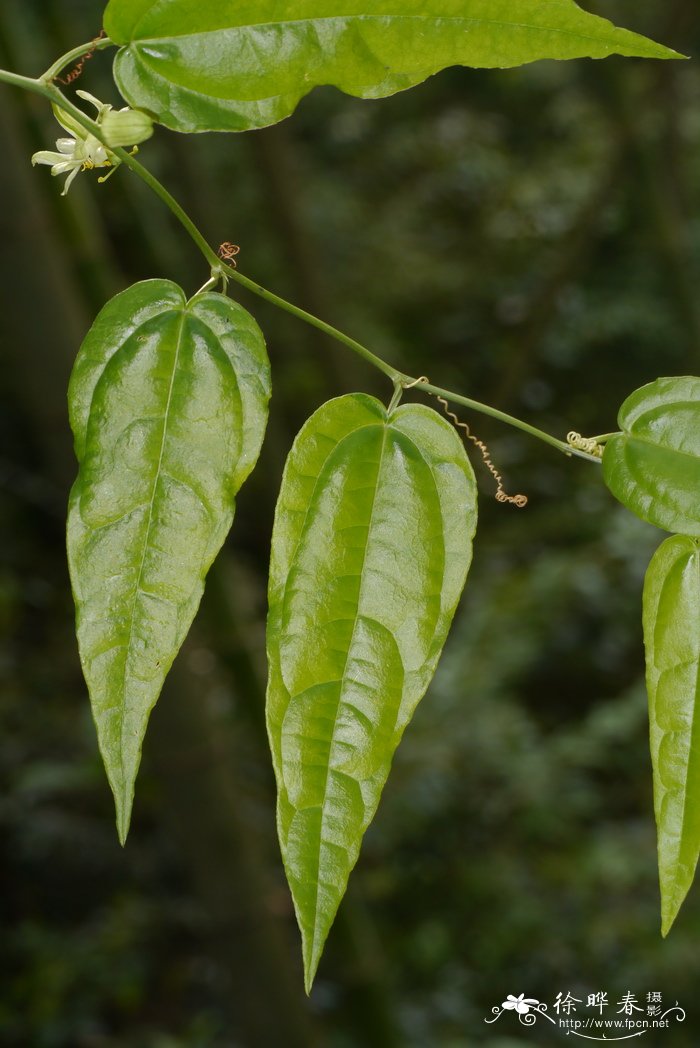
{"x": 527, "y": 237}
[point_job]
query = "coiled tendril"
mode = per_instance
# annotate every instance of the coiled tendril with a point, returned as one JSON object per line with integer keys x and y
{"x": 589, "y": 444}
{"x": 78, "y": 67}
{"x": 501, "y": 494}
{"x": 227, "y": 252}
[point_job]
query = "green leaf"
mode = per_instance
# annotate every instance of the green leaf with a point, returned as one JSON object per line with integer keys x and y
{"x": 168, "y": 406}
{"x": 370, "y": 550}
{"x": 653, "y": 466}
{"x": 240, "y": 64}
{"x": 672, "y": 643}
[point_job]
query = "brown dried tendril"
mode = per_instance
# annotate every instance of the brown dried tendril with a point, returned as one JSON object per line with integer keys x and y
{"x": 78, "y": 67}
{"x": 228, "y": 251}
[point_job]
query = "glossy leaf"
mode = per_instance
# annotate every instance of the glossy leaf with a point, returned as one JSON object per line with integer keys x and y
{"x": 653, "y": 465}
{"x": 370, "y": 550}
{"x": 672, "y": 643}
{"x": 168, "y": 406}
{"x": 240, "y": 64}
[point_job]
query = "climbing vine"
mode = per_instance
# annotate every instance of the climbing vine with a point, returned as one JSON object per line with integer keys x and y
{"x": 372, "y": 541}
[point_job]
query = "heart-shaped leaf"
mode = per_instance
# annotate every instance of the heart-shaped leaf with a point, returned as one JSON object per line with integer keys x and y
{"x": 239, "y": 64}
{"x": 370, "y": 550}
{"x": 168, "y": 406}
{"x": 653, "y": 465}
{"x": 672, "y": 643}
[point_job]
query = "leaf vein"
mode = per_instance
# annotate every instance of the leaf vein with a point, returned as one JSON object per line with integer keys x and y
{"x": 137, "y": 589}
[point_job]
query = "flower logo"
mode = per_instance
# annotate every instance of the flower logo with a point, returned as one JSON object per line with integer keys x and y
{"x": 520, "y": 1004}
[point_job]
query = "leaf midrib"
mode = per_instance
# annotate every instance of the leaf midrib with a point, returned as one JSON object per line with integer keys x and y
{"x": 342, "y": 683}
{"x": 467, "y": 21}
{"x": 149, "y": 522}
{"x": 312, "y": 498}
{"x": 692, "y": 733}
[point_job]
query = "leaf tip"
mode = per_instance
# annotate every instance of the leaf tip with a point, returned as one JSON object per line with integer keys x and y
{"x": 670, "y": 908}
{"x": 312, "y": 958}
{"x": 123, "y": 804}
{"x": 313, "y": 942}
{"x": 664, "y": 52}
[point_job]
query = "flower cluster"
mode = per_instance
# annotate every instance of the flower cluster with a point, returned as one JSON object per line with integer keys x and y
{"x": 83, "y": 151}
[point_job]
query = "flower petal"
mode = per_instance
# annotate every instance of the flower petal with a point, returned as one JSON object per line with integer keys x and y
{"x": 46, "y": 156}
{"x": 68, "y": 123}
{"x": 93, "y": 152}
{"x": 101, "y": 107}
{"x": 70, "y": 178}
{"x": 65, "y": 165}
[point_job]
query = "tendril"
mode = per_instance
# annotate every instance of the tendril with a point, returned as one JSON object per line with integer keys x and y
{"x": 588, "y": 444}
{"x": 501, "y": 494}
{"x": 227, "y": 252}
{"x": 78, "y": 67}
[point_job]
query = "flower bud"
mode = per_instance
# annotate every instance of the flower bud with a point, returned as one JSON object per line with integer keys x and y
{"x": 125, "y": 127}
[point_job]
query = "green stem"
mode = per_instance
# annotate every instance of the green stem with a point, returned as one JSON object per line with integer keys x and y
{"x": 183, "y": 218}
{"x": 510, "y": 420}
{"x": 73, "y": 56}
{"x": 38, "y": 87}
{"x": 25, "y": 82}
{"x": 396, "y": 397}
{"x": 208, "y": 286}
{"x": 309, "y": 318}
{"x": 225, "y": 273}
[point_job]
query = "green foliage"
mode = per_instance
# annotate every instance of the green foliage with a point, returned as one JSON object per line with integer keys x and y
{"x": 672, "y": 642}
{"x": 370, "y": 550}
{"x": 373, "y": 531}
{"x": 168, "y": 406}
{"x": 239, "y": 65}
{"x": 653, "y": 466}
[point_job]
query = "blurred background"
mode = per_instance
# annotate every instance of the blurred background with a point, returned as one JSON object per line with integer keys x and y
{"x": 527, "y": 237}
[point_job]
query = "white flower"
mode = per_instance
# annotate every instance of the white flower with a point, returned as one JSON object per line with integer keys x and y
{"x": 83, "y": 151}
{"x": 520, "y": 1004}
